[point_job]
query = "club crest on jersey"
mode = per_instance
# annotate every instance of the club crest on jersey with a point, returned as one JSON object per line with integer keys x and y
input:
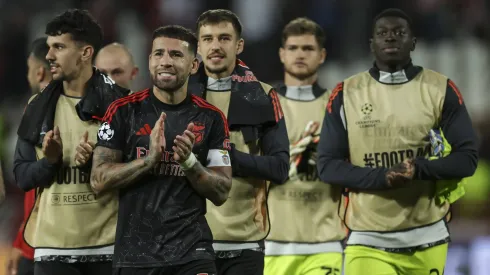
{"x": 226, "y": 159}
{"x": 105, "y": 132}
{"x": 198, "y": 132}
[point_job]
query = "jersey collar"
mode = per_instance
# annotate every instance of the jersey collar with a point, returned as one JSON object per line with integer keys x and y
{"x": 405, "y": 75}
{"x": 222, "y": 84}
{"x": 316, "y": 89}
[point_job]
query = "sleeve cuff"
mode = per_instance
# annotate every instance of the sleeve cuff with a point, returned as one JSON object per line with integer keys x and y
{"x": 48, "y": 166}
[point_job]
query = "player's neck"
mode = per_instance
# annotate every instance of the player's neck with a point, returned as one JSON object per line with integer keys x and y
{"x": 76, "y": 87}
{"x": 220, "y": 75}
{"x": 170, "y": 98}
{"x": 391, "y": 68}
{"x": 290, "y": 80}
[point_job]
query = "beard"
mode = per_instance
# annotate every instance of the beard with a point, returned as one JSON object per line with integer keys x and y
{"x": 217, "y": 71}
{"x": 169, "y": 86}
{"x": 301, "y": 75}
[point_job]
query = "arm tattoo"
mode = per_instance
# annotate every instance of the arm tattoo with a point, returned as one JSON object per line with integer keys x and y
{"x": 109, "y": 173}
{"x": 213, "y": 183}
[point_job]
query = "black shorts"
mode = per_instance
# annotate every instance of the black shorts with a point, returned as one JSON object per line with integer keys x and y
{"x": 198, "y": 267}
{"x": 247, "y": 262}
{"x": 60, "y": 268}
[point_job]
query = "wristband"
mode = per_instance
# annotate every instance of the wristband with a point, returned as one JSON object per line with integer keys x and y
{"x": 189, "y": 163}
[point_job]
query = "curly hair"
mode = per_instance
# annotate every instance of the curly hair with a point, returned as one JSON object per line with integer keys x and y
{"x": 80, "y": 24}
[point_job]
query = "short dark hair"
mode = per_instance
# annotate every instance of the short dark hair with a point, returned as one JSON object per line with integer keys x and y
{"x": 178, "y": 32}
{"x": 302, "y": 26}
{"x": 394, "y": 13}
{"x": 217, "y": 16}
{"x": 80, "y": 24}
{"x": 39, "y": 49}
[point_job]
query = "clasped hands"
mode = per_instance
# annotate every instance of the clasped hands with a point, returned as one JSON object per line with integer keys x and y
{"x": 183, "y": 144}
{"x": 401, "y": 174}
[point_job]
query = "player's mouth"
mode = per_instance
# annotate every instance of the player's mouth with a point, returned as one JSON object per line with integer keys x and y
{"x": 216, "y": 57}
{"x": 300, "y": 64}
{"x": 391, "y": 50}
{"x": 53, "y": 67}
{"x": 165, "y": 75}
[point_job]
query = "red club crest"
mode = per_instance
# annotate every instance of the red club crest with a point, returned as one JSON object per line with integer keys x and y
{"x": 198, "y": 131}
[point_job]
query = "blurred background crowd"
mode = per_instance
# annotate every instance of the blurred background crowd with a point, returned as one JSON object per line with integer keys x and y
{"x": 453, "y": 38}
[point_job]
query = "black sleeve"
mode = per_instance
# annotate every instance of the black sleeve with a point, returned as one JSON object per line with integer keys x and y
{"x": 333, "y": 152}
{"x": 273, "y": 165}
{"x": 458, "y": 130}
{"x": 112, "y": 131}
{"x": 219, "y": 137}
{"x": 29, "y": 172}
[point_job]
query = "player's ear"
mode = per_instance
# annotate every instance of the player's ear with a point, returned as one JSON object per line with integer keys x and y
{"x": 323, "y": 55}
{"x": 195, "y": 65}
{"x": 134, "y": 72}
{"x": 40, "y": 73}
{"x": 87, "y": 52}
{"x": 240, "y": 46}
{"x": 414, "y": 43}
{"x": 371, "y": 47}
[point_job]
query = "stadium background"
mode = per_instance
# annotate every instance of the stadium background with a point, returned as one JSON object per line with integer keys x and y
{"x": 453, "y": 35}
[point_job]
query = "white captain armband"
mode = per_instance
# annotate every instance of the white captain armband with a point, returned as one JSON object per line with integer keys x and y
{"x": 218, "y": 157}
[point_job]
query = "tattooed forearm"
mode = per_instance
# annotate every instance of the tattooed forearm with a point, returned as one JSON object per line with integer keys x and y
{"x": 213, "y": 183}
{"x": 109, "y": 173}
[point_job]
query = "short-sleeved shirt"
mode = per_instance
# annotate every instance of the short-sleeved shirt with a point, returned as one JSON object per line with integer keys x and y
{"x": 161, "y": 217}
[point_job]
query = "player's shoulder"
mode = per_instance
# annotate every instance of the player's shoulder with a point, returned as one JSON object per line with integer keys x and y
{"x": 266, "y": 87}
{"x": 34, "y": 96}
{"x": 431, "y": 77}
{"x": 356, "y": 80}
{"x": 132, "y": 99}
{"x": 206, "y": 107}
{"x": 125, "y": 103}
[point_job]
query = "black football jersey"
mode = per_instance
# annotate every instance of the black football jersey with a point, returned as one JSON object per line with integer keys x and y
{"x": 161, "y": 217}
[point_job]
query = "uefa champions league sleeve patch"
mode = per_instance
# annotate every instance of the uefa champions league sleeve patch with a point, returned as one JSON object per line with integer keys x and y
{"x": 105, "y": 132}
